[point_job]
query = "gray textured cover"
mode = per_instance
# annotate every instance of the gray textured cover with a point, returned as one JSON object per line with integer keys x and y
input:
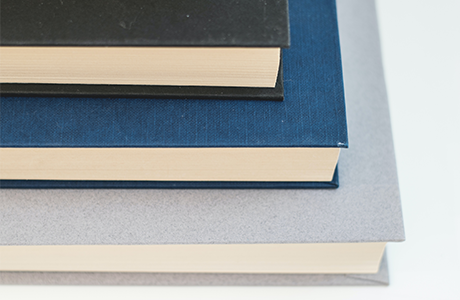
{"x": 366, "y": 207}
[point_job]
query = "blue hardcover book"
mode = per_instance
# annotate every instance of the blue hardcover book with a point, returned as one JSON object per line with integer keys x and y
{"x": 162, "y": 143}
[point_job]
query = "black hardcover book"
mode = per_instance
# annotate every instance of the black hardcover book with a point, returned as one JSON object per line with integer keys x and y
{"x": 137, "y": 44}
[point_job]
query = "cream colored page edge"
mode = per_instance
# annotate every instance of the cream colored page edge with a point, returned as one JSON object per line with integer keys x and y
{"x": 162, "y": 164}
{"x": 182, "y": 66}
{"x": 333, "y": 258}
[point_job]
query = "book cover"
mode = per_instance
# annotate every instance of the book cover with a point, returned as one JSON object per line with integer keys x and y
{"x": 199, "y": 23}
{"x": 366, "y": 208}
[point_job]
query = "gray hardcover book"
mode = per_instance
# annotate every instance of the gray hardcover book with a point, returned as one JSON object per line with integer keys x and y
{"x": 366, "y": 207}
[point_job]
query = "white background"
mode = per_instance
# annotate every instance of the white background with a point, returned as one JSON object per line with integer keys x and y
{"x": 421, "y": 50}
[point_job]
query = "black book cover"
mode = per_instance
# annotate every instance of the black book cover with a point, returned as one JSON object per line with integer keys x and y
{"x": 197, "y": 23}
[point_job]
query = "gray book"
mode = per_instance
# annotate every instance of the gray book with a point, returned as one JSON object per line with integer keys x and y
{"x": 366, "y": 208}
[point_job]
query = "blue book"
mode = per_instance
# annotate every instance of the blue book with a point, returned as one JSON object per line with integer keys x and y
{"x": 191, "y": 143}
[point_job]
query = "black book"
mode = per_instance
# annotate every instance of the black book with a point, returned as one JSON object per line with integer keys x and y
{"x": 143, "y": 43}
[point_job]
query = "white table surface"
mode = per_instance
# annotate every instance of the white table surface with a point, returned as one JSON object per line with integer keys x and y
{"x": 421, "y": 53}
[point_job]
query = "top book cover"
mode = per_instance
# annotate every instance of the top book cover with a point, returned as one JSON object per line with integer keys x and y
{"x": 165, "y": 23}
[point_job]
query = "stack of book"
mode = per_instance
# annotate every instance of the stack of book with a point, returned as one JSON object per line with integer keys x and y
{"x": 199, "y": 148}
